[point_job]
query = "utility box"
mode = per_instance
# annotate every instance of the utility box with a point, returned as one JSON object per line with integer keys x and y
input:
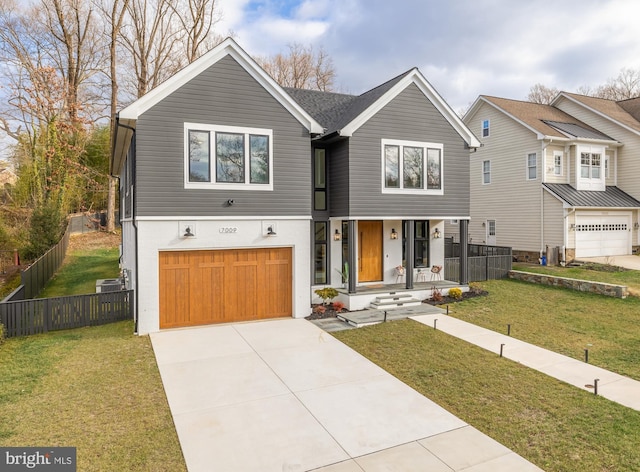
{"x": 109, "y": 285}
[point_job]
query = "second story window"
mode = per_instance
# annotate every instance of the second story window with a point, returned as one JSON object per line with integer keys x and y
{"x": 557, "y": 163}
{"x": 486, "y": 172}
{"x": 412, "y": 167}
{"x": 532, "y": 166}
{"x": 228, "y": 157}
{"x": 319, "y": 180}
{"x": 485, "y": 128}
{"x": 590, "y": 164}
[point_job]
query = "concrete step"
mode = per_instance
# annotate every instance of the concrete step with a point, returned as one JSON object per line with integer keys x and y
{"x": 394, "y": 300}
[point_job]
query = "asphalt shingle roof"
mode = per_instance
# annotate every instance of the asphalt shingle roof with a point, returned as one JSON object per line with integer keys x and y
{"x": 335, "y": 110}
{"x": 612, "y": 197}
{"x": 622, "y": 112}
{"x": 538, "y": 117}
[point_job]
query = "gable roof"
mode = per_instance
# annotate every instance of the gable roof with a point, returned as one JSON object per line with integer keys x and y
{"x": 129, "y": 115}
{"x": 344, "y": 114}
{"x": 612, "y": 197}
{"x": 546, "y": 121}
{"x": 621, "y": 113}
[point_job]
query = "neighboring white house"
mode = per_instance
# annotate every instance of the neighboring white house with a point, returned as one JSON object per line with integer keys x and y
{"x": 565, "y": 175}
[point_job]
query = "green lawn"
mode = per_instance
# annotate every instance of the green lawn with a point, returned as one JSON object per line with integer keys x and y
{"x": 554, "y": 425}
{"x": 80, "y": 271}
{"x": 564, "y": 321}
{"x": 97, "y": 389}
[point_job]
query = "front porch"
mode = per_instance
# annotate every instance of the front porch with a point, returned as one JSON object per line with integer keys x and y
{"x": 394, "y": 295}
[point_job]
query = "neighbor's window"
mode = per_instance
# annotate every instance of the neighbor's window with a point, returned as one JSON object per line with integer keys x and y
{"x": 228, "y": 157}
{"x": 486, "y": 172}
{"x": 412, "y": 167}
{"x": 532, "y": 166}
{"x": 485, "y": 128}
{"x": 590, "y": 165}
{"x": 557, "y": 163}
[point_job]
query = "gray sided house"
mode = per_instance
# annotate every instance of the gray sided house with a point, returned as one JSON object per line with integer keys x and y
{"x": 561, "y": 176}
{"x": 240, "y": 198}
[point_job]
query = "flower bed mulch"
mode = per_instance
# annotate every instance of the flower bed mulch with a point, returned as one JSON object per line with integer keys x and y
{"x": 329, "y": 312}
{"x": 465, "y": 296}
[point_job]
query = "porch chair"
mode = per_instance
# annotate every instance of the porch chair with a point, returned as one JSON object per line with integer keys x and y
{"x": 436, "y": 272}
{"x": 399, "y": 273}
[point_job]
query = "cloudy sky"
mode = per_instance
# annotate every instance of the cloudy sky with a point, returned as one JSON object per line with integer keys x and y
{"x": 464, "y": 47}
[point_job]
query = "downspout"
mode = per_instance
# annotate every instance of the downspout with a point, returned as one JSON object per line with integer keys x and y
{"x": 543, "y": 179}
{"x": 133, "y": 218}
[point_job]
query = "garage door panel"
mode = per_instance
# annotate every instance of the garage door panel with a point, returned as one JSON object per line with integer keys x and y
{"x": 224, "y": 286}
{"x": 602, "y": 235}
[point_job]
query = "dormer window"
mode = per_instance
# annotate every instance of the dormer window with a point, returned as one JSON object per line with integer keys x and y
{"x": 590, "y": 165}
{"x": 589, "y": 159}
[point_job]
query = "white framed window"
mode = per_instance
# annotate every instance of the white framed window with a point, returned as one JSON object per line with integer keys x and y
{"x": 485, "y": 128}
{"x": 557, "y": 162}
{"x": 590, "y": 165}
{"x": 412, "y": 167}
{"x": 532, "y": 166}
{"x": 228, "y": 157}
{"x": 486, "y": 172}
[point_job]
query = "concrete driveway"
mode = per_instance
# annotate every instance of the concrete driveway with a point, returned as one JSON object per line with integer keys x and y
{"x": 283, "y": 395}
{"x": 628, "y": 261}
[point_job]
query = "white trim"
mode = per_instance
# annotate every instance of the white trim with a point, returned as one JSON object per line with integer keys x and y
{"x": 222, "y": 218}
{"x": 425, "y": 146}
{"x": 413, "y": 77}
{"x": 227, "y": 48}
{"x": 212, "y": 183}
{"x": 398, "y": 218}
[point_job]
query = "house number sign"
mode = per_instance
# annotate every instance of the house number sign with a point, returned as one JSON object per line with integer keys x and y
{"x": 229, "y": 229}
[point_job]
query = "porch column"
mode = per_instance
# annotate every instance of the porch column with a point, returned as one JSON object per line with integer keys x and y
{"x": 351, "y": 258}
{"x": 464, "y": 251}
{"x": 410, "y": 245}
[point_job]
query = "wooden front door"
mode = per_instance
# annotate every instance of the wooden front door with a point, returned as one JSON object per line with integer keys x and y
{"x": 369, "y": 251}
{"x": 203, "y": 287}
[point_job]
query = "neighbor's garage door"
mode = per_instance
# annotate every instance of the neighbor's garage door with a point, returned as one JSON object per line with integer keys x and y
{"x": 602, "y": 235}
{"x": 203, "y": 287}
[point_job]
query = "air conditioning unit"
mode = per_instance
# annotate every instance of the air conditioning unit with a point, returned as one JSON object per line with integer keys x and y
{"x": 109, "y": 285}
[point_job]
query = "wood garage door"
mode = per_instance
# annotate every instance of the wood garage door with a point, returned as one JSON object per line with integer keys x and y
{"x": 203, "y": 287}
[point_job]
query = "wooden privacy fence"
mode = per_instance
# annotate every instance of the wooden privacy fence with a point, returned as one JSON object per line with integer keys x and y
{"x": 480, "y": 268}
{"x": 35, "y": 277}
{"x": 26, "y": 317}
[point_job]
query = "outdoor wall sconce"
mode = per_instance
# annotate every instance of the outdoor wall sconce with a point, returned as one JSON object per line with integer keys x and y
{"x": 436, "y": 233}
{"x": 270, "y": 231}
{"x": 188, "y": 233}
{"x": 337, "y": 236}
{"x": 230, "y": 202}
{"x": 573, "y": 227}
{"x": 394, "y": 233}
{"x": 636, "y": 225}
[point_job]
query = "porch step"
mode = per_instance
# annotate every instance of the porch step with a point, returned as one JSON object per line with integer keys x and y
{"x": 394, "y": 300}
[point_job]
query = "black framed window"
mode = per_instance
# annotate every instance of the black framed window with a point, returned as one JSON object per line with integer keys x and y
{"x": 320, "y": 252}
{"x": 319, "y": 180}
{"x": 420, "y": 244}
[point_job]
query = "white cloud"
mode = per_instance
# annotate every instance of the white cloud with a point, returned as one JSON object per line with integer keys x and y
{"x": 463, "y": 47}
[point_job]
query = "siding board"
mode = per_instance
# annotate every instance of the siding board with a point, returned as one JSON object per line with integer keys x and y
{"x": 225, "y": 94}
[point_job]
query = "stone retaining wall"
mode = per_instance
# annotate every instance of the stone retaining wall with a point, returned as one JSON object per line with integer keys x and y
{"x": 611, "y": 290}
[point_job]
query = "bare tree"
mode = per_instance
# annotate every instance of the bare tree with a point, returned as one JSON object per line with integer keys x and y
{"x": 542, "y": 94}
{"x": 152, "y": 39}
{"x": 197, "y": 19}
{"x": 302, "y": 68}
{"x": 625, "y": 85}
